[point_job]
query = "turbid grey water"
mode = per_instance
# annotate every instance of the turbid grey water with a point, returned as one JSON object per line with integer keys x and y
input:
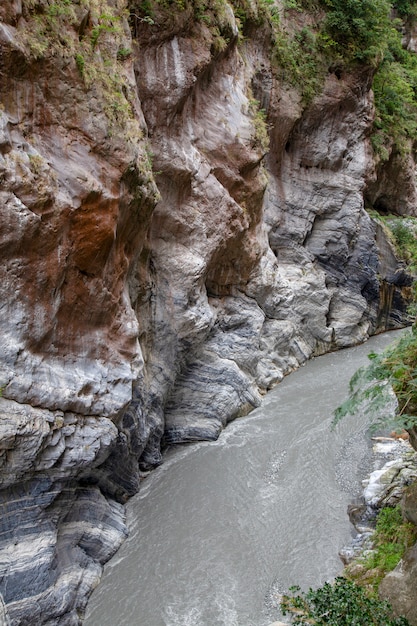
{"x": 221, "y": 528}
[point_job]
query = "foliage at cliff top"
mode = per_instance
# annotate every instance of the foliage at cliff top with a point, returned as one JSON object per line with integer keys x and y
{"x": 395, "y": 90}
{"x": 346, "y": 33}
{"x": 93, "y": 34}
{"x": 370, "y": 32}
{"x": 308, "y": 38}
{"x": 395, "y": 368}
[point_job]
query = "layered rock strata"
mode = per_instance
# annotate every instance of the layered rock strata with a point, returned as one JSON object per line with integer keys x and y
{"x": 162, "y": 268}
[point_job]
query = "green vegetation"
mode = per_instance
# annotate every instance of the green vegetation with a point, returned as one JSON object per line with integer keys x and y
{"x": 92, "y": 33}
{"x": 406, "y": 8}
{"x": 107, "y": 23}
{"x": 347, "y": 33}
{"x": 333, "y": 35}
{"x": 46, "y": 30}
{"x": 300, "y": 61}
{"x": 392, "y": 537}
{"x": 396, "y": 367}
{"x": 365, "y": 32}
{"x": 336, "y": 33}
{"x": 395, "y": 90}
{"x": 352, "y": 600}
{"x": 80, "y": 63}
{"x": 215, "y": 14}
{"x": 358, "y": 27}
{"x": 342, "y": 603}
{"x": 123, "y": 53}
{"x": 402, "y": 232}
{"x": 261, "y": 136}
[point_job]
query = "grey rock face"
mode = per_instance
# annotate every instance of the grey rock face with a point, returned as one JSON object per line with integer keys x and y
{"x": 161, "y": 268}
{"x": 398, "y": 587}
{"x": 57, "y": 530}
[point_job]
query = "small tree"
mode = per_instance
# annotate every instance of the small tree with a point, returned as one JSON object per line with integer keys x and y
{"x": 395, "y": 368}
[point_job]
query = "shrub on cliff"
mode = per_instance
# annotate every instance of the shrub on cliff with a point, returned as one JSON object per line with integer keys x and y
{"x": 342, "y": 603}
{"x": 395, "y": 91}
{"x": 402, "y": 232}
{"x": 360, "y": 27}
{"x": 346, "y": 33}
{"x": 366, "y": 31}
{"x": 396, "y": 367}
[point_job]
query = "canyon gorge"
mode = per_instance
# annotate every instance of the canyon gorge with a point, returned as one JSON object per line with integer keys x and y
{"x": 182, "y": 225}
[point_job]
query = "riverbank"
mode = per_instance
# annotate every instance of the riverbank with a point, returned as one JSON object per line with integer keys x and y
{"x": 394, "y": 468}
{"x": 393, "y": 483}
{"x": 385, "y": 519}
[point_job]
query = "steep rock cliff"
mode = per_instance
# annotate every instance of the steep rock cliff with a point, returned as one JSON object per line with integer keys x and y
{"x": 162, "y": 267}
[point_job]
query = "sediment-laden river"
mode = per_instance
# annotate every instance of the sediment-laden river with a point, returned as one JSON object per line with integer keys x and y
{"x": 221, "y": 528}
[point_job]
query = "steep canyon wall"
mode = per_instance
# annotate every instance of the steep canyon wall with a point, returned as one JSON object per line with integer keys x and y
{"x": 168, "y": 255}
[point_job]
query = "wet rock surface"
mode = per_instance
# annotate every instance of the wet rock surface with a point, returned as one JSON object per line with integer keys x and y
{"x": 393, "y": 468}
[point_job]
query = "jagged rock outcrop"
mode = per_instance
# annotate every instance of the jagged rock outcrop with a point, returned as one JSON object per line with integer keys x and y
{"x": 161, "y": 268}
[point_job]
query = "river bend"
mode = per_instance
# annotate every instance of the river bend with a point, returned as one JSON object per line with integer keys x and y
{"x": 222, "y": 527}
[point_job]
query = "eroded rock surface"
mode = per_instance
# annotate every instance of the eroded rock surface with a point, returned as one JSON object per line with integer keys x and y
{"x": 399, "y": 586}
{"x": 161, "y": 266}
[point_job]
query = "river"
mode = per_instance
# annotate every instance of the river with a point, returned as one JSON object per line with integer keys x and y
{"x": 221, "y": 528}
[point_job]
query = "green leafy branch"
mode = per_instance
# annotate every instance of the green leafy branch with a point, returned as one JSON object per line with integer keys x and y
{"x": 396, "y": 369}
